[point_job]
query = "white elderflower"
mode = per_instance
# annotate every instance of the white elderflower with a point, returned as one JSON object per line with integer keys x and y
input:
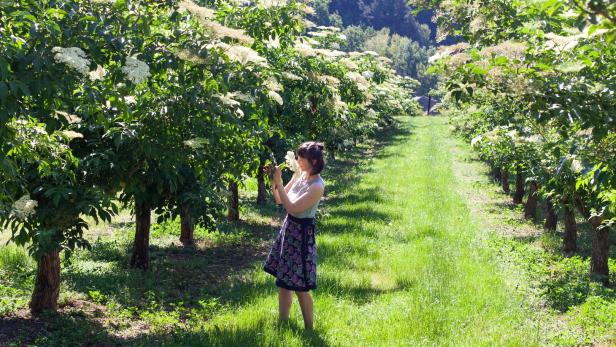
{"x": 242, "y": 97}
{"x": 305, "y": 50}
{"x": 130, "y": 100}
{"x": 200, "y": 12}
{"x": 98, "y": 74}
{"x": 273, "y": 84}
{"x": 24, "y": 207}
{"x": 576, "y": 165}
{"x": 228, "y": 99}
{"x": 272, "y": 3}
{"x": 291, "y": 77}
{"x": 349, "y": 64}
{"x": 509, "y": 49}
{"x": 330, "y": 80}
{"x": 196, "y": 143}
{"x": 220, "y": 30}
{"x": 71, "y": 118}
{"x": 72, "y": 57}
{"x": 187, "y": 55}
{"x": 245, "y": 56}
{"x": 476, "y": 140}
{"x": 291, "y": 162}
{"x": 367, "y": 74}
{"x": 273, "y": 43}
{"x": 71, "y": 134}
{"x": 276, "y": 97}
{"x": 135, "y": 70}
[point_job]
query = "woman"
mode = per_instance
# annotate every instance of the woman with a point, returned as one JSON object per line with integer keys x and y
{"x": 293, "y": 257}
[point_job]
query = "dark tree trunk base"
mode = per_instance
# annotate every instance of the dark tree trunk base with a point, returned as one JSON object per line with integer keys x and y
{"x": 599, "y": 268}
{"x": 530, "y": 209}
{"x": 47, "y": 286}
{"x": 551, "y": 219}
{"x": 187, "y": 235}
{"x": 141, "y": 247}
{"x": 505, "y": 181}
{"x": 570, "y": 234}
{"x": 518, "y": 196}
{"x": 233, "y": 213}
{"x": 497, "y": 174}
{"x": 261, "y": 189}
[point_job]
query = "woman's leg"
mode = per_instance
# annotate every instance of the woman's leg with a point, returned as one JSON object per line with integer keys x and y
{"x": 285, "y": 297}
{"x": 305, "y": 302}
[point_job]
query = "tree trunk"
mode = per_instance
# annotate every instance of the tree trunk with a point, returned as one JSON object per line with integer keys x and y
{"x": 497, "y": 174}
{"x": 551, "y": 219}
{"x": 530, "y": 210}
{"x": 505, "y": 181}
{"x": 599, "y": 268}
{"x": 141, "y": 247}
{"x": 233, "y": 213}
{"x": 518, "y": 196}
{"x": 187, "y": 235}
{"x": 261, "y": 189}
{"x": 47, "y": 286}
{"x": 570, "y": 235}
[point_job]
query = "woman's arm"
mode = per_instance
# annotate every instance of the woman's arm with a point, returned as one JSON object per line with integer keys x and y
{"x": 303, "y": 202}
{"x": 275, "y": 193}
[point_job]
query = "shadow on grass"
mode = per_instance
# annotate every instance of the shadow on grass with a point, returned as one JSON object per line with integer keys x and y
{"x": 70, "y": 328}
{"x": 214, "y": 269}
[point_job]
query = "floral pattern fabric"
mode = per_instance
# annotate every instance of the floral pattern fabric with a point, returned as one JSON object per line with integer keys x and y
{"x": 293, "y": 257}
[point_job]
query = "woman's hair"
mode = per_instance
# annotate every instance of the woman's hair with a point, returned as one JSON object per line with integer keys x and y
{"x": 313, "y": 152}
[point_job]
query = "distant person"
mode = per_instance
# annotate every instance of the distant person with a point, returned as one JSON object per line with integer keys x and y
{"x": 293, "y": 258}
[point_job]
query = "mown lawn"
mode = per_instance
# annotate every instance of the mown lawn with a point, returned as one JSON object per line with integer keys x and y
{"x": 403, "y": 260}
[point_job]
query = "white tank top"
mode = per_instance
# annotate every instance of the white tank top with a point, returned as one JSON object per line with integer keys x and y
{"x": 300, "y": 187}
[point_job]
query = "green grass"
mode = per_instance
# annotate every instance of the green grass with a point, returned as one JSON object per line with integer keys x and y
{"x": 402, "y": 261}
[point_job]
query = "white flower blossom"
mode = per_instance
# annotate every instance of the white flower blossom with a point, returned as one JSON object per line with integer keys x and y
{"x": 130, "y": 100}
{"x": 291, "y": 77}
{"x": 305, "y": 50}
{"x": 276, "y": 97}
{"x": 71, "y": 118}
{"x": 196, "y": 10}
{"x": 367, "y": 74}
{"x": 135, "y": 70}
{"x": 24, "y": 207}
{"x": 72, "y": 134}
{"x": 291, "y": 162}
{"x": 97, "y": 74}
{"x": 245, "y": 56}
{"x": 228, "y": 99}
{"x": 72, "y": 57}
{"x": 476, "y": 140}
{"x": 272, "y": 84}
{"x": 196, "y": 143}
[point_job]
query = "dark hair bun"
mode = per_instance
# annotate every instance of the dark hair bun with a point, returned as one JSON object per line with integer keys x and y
{"x": 313, "y": 151}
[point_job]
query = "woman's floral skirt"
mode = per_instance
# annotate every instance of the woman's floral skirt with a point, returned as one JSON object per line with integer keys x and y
{"x": 293, "y": 258}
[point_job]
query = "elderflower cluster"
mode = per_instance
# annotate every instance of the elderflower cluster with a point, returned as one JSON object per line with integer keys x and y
{"x": 203, "y": 13}
{"x": 135, "y": 70}
{"x": 245, "y": 56}
{"x": 509, "y": 49}
{"x": 72, "y": 57}
{"x": 272, "y": 3}
{"x": 24, "y": 207}
{"x": 291, "y": 162}
{"x": 276, "y": 97}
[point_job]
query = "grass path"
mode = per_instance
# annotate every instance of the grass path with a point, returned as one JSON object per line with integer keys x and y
{"x": 401, "y": 263}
